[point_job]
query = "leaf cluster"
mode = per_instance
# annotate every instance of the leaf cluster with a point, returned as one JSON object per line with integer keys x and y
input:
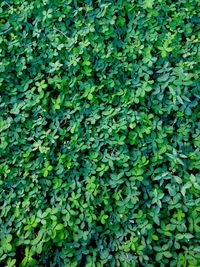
{"x": 100, "y": 133}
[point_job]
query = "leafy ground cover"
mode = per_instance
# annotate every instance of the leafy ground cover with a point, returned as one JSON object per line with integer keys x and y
{"x": 100, "y": 133}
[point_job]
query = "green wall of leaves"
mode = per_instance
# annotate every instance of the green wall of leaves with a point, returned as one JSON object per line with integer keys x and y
{"x": 100, "y": 133}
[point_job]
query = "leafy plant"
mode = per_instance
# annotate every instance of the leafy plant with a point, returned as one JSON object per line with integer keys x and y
{"x": 99, "y": 133}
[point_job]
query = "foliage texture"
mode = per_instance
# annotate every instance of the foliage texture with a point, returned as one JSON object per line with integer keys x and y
{"x": 100, "y": 133}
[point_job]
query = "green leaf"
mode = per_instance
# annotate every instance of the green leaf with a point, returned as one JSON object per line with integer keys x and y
{"x": 59, "y": 227}
{"x": 103, "y": 218}
{"x": 148, "y": 3}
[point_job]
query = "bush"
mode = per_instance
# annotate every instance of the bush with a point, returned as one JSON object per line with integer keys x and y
{"x": 100, "y": 133}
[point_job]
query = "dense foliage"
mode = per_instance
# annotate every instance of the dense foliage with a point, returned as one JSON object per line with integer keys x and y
{"x": 100, "y": 133}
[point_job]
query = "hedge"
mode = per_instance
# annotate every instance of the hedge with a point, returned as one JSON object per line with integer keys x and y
{"x": 100, "y": 133}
